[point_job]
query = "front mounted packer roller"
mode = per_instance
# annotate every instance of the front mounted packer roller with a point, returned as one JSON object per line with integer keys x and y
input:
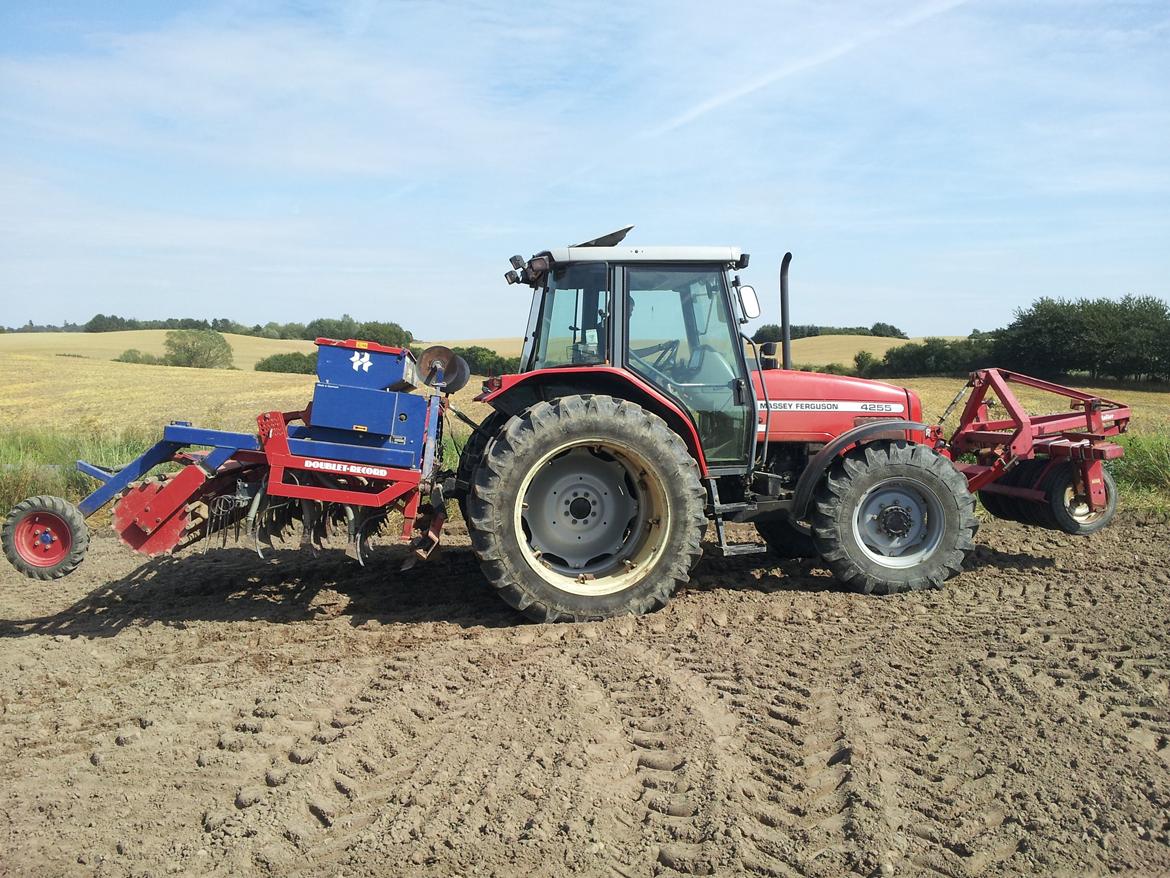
{"x": 640, "y": 415}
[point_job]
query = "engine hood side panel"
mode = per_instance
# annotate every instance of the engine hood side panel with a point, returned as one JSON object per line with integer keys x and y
{"x": 814, "y": 407}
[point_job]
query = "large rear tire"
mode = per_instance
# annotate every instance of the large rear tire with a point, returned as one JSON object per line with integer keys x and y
{"x": 586, "y": 507}
{"x": 473, "y": 451}
{"x": 893, "y": 517}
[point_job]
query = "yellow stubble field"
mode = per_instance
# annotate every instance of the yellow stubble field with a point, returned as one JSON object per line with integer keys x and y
{"x": 246, "y": 349}
{"x": 42, "y": 391}
{"x": 819, "y": 350}
{"x": 45, "y": 392}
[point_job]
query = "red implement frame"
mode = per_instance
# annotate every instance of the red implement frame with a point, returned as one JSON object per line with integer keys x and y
{"x": 1080, "y": 435}
{"x": 396, "y": 485}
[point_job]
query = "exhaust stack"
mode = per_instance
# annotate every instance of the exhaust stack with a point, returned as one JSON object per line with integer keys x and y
{"x": 785, "y": 323}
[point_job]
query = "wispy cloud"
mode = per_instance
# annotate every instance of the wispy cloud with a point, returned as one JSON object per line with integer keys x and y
{"x": 806, "y": 63}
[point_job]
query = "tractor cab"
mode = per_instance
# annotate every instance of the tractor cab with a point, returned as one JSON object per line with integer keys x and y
{"x": 665, "y": 314}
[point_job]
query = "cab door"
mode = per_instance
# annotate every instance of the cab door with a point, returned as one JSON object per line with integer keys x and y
{"x": 682, "y": 337}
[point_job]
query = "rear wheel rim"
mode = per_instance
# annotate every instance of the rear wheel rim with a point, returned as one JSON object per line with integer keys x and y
{"x": 42, "y": 539}
{"x": 591, "y": 517}
{"x": 1078, "y": 508}
{"x": 898, "y": 523}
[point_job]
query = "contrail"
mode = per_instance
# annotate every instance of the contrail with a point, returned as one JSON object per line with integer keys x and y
{"x": 929, "y": 10}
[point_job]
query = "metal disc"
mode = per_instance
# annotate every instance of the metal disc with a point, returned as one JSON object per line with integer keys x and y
{"x": 435, "y": 355}
{"x": 457, "y": 375}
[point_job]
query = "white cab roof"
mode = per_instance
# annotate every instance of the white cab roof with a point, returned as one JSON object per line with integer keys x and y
{"x": 621, "y": 253}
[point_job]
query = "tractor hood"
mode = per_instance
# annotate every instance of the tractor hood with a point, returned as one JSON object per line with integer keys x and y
{"x": 814, "y": 407}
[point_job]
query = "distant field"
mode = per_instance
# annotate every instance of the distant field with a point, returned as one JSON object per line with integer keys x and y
{"x": 818, "y": 351}
{"x": 55, "y": 409}
{"x": 505, "y": 347}
{"x": 246, "y": 350}
{"x": 65, "y": 393}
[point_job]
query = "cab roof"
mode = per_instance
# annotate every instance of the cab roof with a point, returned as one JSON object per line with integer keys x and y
{"x": 620, "y": 253}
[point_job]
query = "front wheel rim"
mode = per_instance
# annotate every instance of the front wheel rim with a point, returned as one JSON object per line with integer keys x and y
{"x": 591, "y": 517}
{"x": 42, "y": 539}
{"x": 898, "y": 523}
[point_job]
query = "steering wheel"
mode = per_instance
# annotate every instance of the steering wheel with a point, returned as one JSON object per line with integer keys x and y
{"x": 667, "y": 353}
{"x": 668, "y": 356}
{"x": 652, "y": 372}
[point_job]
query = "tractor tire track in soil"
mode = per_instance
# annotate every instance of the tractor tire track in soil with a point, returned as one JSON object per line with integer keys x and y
{"x": 223, "y": 715}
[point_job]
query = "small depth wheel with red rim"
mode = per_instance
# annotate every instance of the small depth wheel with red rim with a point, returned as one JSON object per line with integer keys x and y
{"x": 45, "y": 537}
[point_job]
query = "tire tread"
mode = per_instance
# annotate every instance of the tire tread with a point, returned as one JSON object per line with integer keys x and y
{"x": 544, "y": 424}
{"x": 68, "y": 513}
{"x": 834, "y": 492}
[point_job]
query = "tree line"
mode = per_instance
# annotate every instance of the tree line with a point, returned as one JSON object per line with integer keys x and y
{"x": 323, "y": 327}
{"x": 481, "y": 361}
{"x": 774, "y": 332}
{"x": 1126, "y": 339}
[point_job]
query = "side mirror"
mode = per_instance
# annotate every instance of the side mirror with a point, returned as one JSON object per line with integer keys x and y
{"x": 749, "y": 303}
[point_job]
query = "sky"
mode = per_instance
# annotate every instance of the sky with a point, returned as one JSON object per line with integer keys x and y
{"x": 932, "y": 164}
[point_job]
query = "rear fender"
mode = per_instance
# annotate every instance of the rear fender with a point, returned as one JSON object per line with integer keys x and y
{"x": 515, "y": 393}
{"x": 823, "y": 459}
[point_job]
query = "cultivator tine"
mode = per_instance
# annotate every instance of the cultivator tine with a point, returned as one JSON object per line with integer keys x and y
{"x": 311, "y": 527}
{"x": 264, "y": 535}
{"x": 258, "y": 524}
{"x": 355, "y": 546}
{"x": 280, "y": 519}
{"x": 424, "y": 546}
{"x": 364, "y": 522}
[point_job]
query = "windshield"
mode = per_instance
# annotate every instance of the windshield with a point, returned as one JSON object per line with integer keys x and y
{"x": 573, "y": 317}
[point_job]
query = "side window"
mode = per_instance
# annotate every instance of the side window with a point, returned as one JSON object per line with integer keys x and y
{"x": 713, "y": 328}
{"x": 656, "y": 319}
{"x": 573, "y": 317}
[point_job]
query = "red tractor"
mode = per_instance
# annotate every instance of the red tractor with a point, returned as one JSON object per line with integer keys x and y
{"x": 637, "y": 418}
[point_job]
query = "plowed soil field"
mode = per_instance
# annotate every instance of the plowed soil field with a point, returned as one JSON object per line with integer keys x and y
{"x": 221, "y": 714}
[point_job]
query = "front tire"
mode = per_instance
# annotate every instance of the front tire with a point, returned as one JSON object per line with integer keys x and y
{"x": 45, "y": 537}
{"x": 586, "y": 507}
{"x": 892, "y": 517}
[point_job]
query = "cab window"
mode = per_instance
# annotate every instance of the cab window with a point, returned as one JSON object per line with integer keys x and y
{"x": 573, "y": 317}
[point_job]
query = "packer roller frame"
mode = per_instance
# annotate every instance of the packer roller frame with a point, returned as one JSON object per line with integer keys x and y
{"x": 1080, "y": 437}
